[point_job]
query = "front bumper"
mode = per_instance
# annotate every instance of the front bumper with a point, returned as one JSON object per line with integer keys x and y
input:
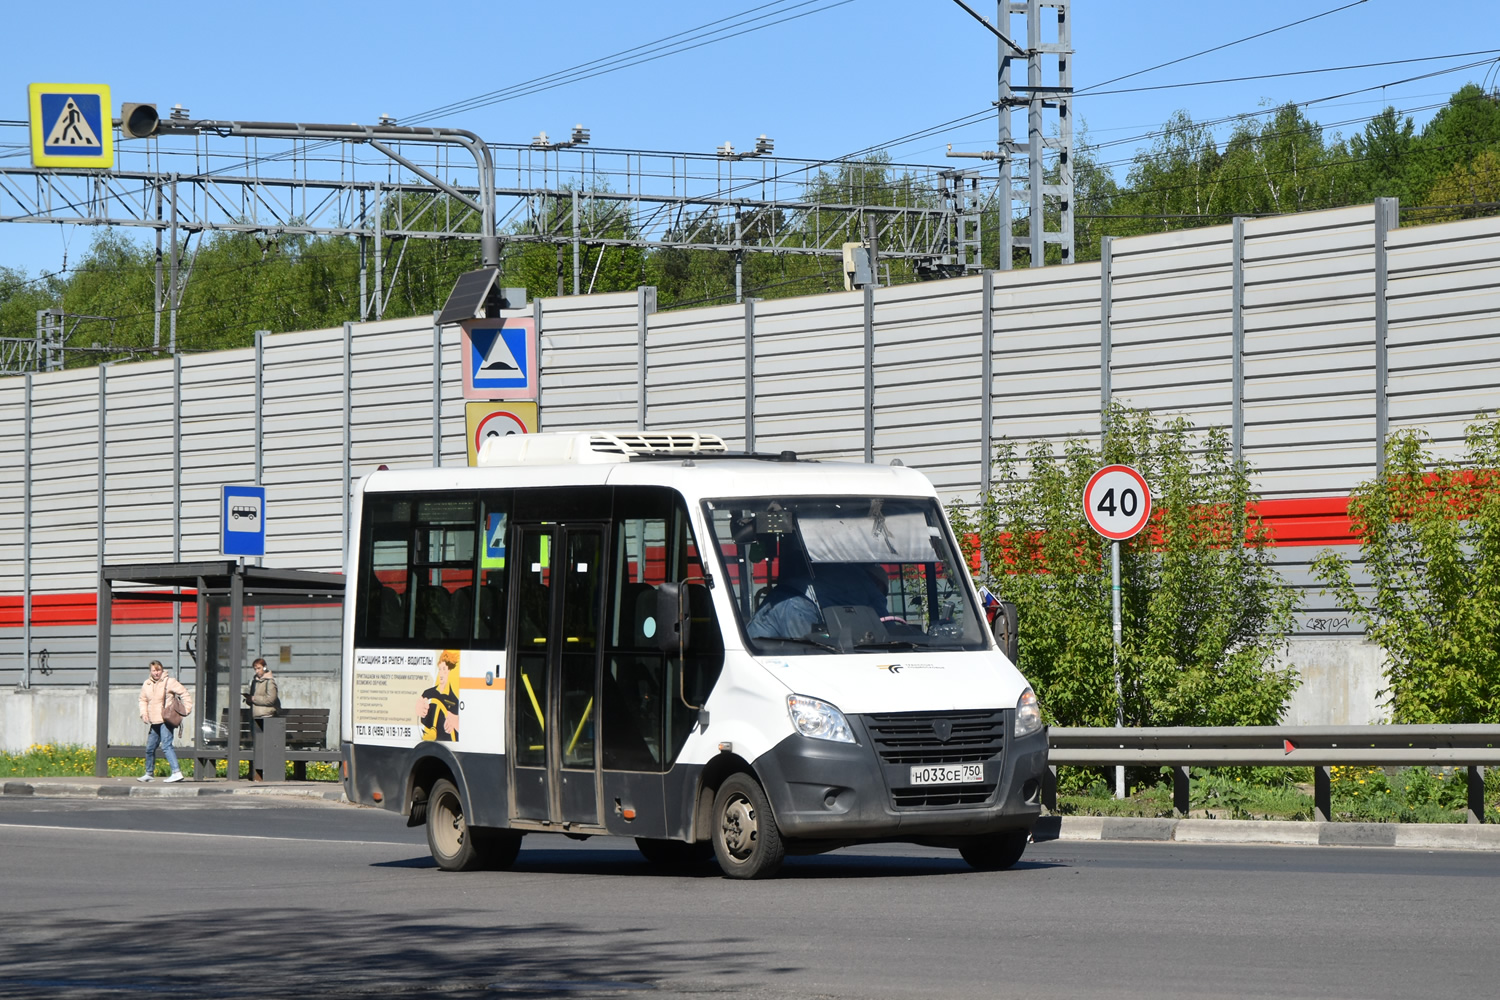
{"x": 823, "y": 790}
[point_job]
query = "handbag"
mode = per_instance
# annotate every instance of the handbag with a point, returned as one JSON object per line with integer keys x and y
{"x": 173, "y": 709}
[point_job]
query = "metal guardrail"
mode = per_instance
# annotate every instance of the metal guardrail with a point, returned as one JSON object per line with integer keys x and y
{"x": 1319, "y": 747}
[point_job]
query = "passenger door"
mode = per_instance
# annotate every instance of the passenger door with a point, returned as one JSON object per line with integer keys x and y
{"x": 558, "y": 582}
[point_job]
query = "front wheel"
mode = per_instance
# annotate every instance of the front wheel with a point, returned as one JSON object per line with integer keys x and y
{"x": 995, "y": 852}
{"x": 747, "y": 842}
{"x": 449, "y": 838}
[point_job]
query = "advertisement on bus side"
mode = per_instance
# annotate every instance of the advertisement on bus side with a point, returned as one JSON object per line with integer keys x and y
{"x": 403, "y": 697}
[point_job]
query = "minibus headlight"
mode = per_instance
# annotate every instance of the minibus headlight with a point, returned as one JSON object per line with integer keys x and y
{"x": 1028, "y": 714}
{"x": 818, "y": 719}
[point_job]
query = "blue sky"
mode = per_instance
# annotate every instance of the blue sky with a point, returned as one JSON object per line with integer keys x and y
{"x": 834, "y": 81}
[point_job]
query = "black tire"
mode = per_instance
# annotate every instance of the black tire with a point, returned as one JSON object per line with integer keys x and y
{"x": 497, "y": 848}
{"x": 995, "y": 852}
{"x": 674, "y": 854}
{"x": 452, "y": 844}
{"x": 746, "y": 840}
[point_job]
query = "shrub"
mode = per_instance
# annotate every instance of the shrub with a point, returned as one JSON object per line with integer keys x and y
{"x": 1205, "y": 613}
{"x": 1429, "y": 535}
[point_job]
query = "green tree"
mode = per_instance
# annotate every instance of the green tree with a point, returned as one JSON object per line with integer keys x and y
{"x": 1460, "y": 131}
{"x": 1205, "y": 613}
{"x": 1178, "y": 175}
{"x": 1383, "y": 150}
{"x": 1476, "y": 184}
{"x": 20, "y": 299}
{"x": 1429, "y": 534}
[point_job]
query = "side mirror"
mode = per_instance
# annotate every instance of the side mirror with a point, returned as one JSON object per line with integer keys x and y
{"x": 673, "y": 624}
{"x": 1006, "y": 632}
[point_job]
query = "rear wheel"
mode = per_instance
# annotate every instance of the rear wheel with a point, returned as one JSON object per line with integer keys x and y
{"x": 674, "y": 853}
{"x": 995, "y": 852}
{"x": 746, "y": 840}
{"x": 449, "y": 838}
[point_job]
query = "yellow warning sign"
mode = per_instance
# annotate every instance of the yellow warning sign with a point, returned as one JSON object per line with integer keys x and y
{"x": 71, "y": 125}
{"x": 495, "y": 420}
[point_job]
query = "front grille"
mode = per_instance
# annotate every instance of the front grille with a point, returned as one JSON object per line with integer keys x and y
{"x": 941, "y": 795}
{"x": 911, "y": 738}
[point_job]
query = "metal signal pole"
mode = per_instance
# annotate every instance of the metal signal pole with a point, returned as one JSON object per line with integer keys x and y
{"x": 489, "y": 242}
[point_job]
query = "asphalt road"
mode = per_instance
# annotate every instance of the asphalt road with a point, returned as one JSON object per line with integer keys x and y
{"x": 279, "y": 898}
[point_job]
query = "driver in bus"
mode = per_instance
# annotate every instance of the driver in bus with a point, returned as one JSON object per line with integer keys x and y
{"x": 790, "y": 610}
{"x": 787, "y": 611}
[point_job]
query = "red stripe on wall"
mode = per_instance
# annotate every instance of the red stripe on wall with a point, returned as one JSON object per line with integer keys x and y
{"x": 1307, "y": 521}
{"x": 83, "y": 610}
{"x": 1303, "y": 521}
{"x": 126, "y": 612}
{"x": 64, "y": 609}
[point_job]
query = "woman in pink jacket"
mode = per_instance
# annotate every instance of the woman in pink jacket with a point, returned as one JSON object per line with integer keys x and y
{"x": 154, "y": 694}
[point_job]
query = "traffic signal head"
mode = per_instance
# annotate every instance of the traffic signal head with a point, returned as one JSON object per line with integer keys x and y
{"x": 137, "y": 121}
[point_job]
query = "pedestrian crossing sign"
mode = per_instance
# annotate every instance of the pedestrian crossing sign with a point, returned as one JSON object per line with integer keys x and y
{"x": 71, "y": 126}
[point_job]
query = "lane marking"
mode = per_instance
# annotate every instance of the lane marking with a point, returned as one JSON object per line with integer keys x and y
{"x": 191, "y": 833}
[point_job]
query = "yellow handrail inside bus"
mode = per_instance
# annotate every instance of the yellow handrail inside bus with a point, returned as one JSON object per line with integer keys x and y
{"x": 534, "y": 704}
{"x": 587, "y": 711}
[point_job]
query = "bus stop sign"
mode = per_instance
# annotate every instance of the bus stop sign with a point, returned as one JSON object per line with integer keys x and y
{"x": 242, "y": 520}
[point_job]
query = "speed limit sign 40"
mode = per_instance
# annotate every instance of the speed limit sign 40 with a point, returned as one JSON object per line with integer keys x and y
{"x": 1117, "y": 502}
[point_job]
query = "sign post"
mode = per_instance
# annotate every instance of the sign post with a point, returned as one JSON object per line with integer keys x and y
{"x": 1117, "y": 504}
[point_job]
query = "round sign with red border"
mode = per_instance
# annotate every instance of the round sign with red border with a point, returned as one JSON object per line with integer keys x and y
{"x": 1117, "y": 502}
{"x": 500, "y": 423}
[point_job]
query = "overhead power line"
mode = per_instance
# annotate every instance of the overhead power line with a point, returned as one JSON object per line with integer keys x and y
{"x": 668, "y": 45}
{"x": 987, "y": 113}
{"x": 675, "y": 44}
{"x": 1216, "y": 48}
{"x": 1299, "y": 72}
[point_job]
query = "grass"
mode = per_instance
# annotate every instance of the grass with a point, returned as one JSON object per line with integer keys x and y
{"x": 49, "y": 760}
{"x": 1359, "y": 794}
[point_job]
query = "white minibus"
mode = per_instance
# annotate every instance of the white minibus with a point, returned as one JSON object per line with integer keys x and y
{"x": 643, "y": 635}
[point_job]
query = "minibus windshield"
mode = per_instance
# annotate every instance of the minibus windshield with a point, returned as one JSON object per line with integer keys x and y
{"x": 826, "y": 575}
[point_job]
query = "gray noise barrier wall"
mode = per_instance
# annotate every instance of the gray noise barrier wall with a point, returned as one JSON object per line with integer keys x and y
{"x": 1271, "y": 327}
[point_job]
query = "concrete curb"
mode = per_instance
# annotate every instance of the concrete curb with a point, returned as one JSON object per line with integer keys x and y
{"x": 1413, "y": 836}
{"x": 118, "y": 788}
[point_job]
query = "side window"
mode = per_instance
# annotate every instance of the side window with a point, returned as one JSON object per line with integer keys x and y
{"x": 490, "y": 601}
{"x": 634, "y": 674}
{"x": 645, "y": 722}
{"x": 433, "y": 571}
{"x": 386, "y": 561}
{"x": 443, "y": 565}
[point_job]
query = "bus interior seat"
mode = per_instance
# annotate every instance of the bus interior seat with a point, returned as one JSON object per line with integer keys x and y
{"x": 434, "y": 612}
{"x": 462, "y": 603}
{"x": 389, "y": 613}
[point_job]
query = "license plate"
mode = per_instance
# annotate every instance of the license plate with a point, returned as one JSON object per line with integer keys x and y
{"x": 946, "y": 774}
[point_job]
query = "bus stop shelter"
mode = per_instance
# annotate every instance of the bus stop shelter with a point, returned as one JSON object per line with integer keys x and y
{"x": 211, "y": 611}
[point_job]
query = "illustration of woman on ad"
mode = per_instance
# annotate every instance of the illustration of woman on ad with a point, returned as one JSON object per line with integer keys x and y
{"x": 438, "y": 706}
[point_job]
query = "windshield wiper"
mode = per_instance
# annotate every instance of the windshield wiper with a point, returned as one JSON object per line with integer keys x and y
{"x": 892, "y": 644}
{"x": 802, "y": 639}
{"x": 907, "y": 644}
